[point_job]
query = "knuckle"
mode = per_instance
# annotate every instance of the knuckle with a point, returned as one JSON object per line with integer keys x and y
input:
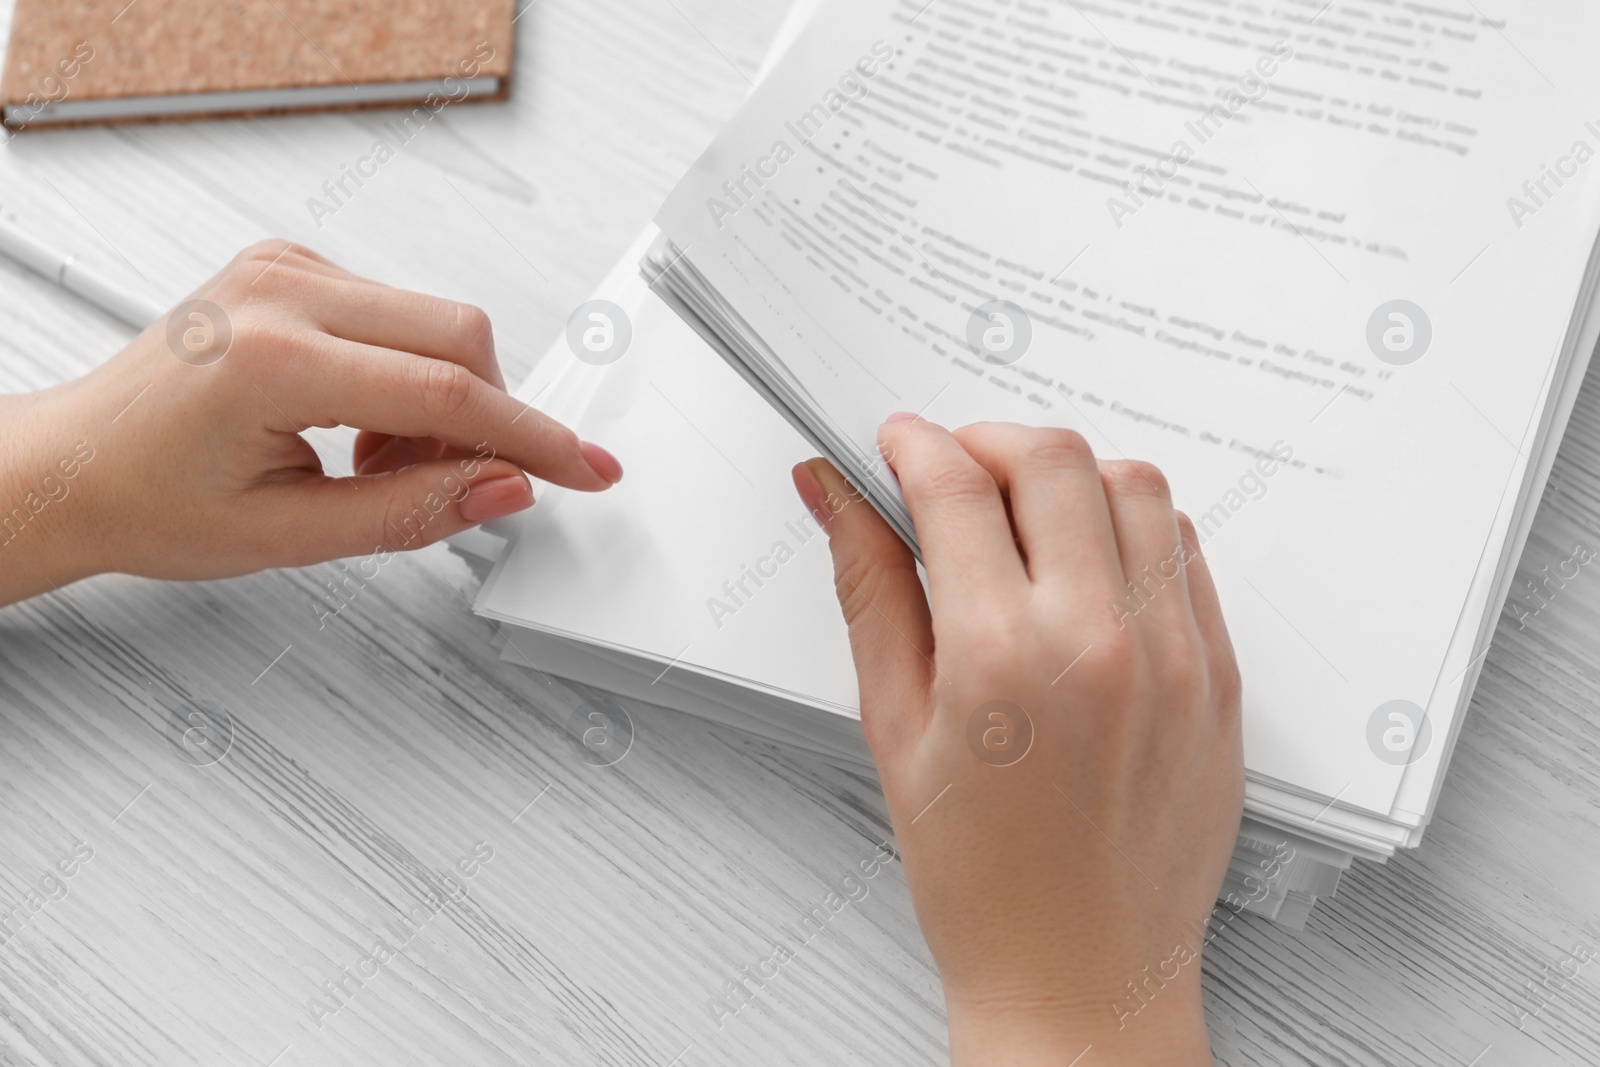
{"x": 1182, "y": 662}
{"x": 853, "y": 581}
{"x": 266, "y": 251}
{"x": 271, "y": 250}
{"x": 861, "y": 584}
{"x": 964, "y": 484}
{"x": 446, "y": 389}
{"x": 474, "y": 328}
{"x": 264, "y": 264}
{"x": 407, "y": 525}
{"x": 1113, "y": 657}
{"x": 1186, "y": 530}
{"x": 1057, "y": 448}
{"x": 257, "y": 338}
{"x": 555, "y": 440}
{"x": 1134, "y": 477}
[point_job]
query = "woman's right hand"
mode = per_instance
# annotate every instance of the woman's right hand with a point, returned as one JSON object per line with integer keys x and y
{"x": 1062, "y": 760}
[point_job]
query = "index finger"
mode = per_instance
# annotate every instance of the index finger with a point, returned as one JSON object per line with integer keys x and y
{"x": 431, "y": 326}
{"x": 408, "y": 395}
{"x": 967, "y": 545}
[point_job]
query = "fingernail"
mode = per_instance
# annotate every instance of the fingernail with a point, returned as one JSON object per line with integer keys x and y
{"x": 402, "y": 452}
{"x": 496, "y": 499}
{"x": 602, "y": 462}
{"x": 904, "y": 416}
{"x": 813, "y": 495}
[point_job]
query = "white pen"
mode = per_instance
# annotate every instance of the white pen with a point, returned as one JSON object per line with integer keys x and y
{"x": 135, "y": 310}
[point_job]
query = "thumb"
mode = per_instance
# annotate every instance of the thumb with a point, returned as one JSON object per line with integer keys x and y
{"x": 885, "y": 606}
{"x": 399, "y": 511}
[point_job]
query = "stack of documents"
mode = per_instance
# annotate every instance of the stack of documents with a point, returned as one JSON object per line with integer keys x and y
{"x": 1333, "y": 272}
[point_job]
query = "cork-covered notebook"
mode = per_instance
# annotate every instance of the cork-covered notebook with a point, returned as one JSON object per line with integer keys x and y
{"x": 73, "y": 61}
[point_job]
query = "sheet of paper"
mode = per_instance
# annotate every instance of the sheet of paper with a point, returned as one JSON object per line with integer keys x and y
{"x": 704, "y": 553}
{"x": 1208, "y": 216}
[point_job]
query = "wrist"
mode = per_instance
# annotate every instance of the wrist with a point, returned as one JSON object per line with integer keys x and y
{"x": 41, "y": 522}
{"x": 1167, "y": 1029}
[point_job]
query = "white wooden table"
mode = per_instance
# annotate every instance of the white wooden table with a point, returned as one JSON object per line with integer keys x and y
{"x": 223, "y": 903}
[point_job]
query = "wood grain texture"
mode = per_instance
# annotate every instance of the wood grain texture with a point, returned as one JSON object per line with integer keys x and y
{"x": 369, "y": 757}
